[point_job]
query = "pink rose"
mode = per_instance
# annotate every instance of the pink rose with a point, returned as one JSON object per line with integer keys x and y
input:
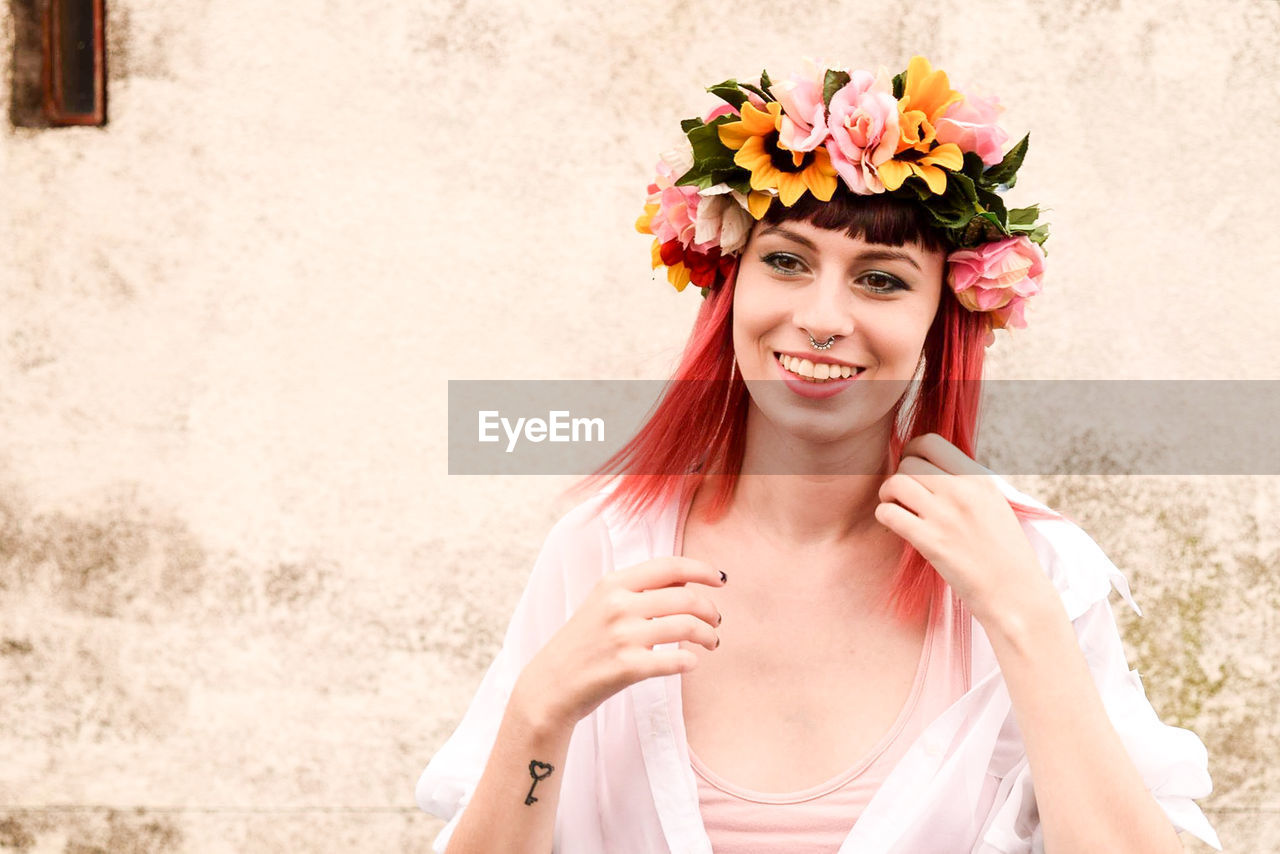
{"x": 728, "y": 110}
{"x": 804, "y": 124}
{"x": 718, "y": 111}
{"x": 864, "y": 131}
{"x": 997, "y": 278}
{"x": 971, "y": 124}
{"x": 677, "y": 212}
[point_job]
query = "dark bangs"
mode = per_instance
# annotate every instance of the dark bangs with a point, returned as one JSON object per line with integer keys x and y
{"x": 875, "y": 218}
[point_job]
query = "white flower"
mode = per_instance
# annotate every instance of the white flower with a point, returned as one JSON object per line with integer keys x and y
{"x": 722, "y": 218}
{"x": 679, "y": 157}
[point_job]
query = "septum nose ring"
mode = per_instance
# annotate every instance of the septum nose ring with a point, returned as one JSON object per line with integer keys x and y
{"x": 824, "y": 346}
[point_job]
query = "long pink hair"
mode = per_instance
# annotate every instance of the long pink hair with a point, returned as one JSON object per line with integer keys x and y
{"x": 693, "y": 434}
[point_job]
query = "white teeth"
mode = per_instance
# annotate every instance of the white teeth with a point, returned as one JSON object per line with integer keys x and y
{"x": 817, "y": 373}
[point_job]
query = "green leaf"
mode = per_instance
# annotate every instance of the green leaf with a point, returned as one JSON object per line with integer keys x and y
{"x": 765, "y": 82}
{"x": 993, "y": 219}
{"x": 962, "y": 183}
{"x": 733, "y": 176}
{"x": 950, "y": 219}
{"x": 1005, "y": 172}
{"x": 706, "y": 291}
{"x": 914, "y": 184}
{"x": 689, "y": 124}
{"x": 757, "y": 90}
{"x": 706, "y": 144}
{"x": 980, "y": 230}
{"x": 899, "y": 84}
{"x": 704, "y": 173}
{"x": 973, "y": 167}
{"x": 951, "y": 216}
{"x": 711, "y": 157}
{"x": 728, "y": 92}
{"x": 951, "y": 209}
{"x": 1024, "y": 216}
{"x": 992, "y": 202}
{"x": 697, "y": 172}
{"x": 694, "y": 178}
{"x": 1038, "y": 234}
{"x": 741, "y": 184}
{"x": 1023, "y": 221}
{"x": 833, "y": 81}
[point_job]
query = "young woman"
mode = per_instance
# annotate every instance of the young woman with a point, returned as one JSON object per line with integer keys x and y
{"x": 799, "y": 616}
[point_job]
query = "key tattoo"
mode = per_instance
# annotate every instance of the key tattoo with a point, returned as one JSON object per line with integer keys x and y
{"x": 539, "y": 771}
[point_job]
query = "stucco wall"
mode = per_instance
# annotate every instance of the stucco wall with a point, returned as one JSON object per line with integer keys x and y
{"x": 241, "y": 602}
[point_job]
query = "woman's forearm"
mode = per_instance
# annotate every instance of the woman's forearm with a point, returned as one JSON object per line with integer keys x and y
{"x": 1089, "y": 794}
{"x": 501, "y": 815}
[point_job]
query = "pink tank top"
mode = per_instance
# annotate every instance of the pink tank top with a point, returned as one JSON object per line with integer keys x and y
{"x": 817, "y": 820}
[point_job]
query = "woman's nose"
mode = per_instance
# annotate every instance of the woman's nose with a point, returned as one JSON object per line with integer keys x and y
{"x": 824, "y": 309}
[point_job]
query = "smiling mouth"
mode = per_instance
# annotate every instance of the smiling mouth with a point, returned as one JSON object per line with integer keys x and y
{"x": 810, "y": 372}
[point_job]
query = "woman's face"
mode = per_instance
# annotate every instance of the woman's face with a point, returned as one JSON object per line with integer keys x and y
{"x": 795, "y": 279}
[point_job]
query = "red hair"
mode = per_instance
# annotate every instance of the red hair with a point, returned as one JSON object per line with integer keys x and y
{"x": 693, "y": 433}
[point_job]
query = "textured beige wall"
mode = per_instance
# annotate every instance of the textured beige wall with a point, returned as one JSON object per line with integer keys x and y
{"x": 241, "y": 602}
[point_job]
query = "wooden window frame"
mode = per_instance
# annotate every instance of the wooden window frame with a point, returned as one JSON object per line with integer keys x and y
{"x": 55, "y": 63}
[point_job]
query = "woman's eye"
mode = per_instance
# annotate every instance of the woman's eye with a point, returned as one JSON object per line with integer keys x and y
{"x": 788, "y": 264}
{"x": 890, "y": 285}
{"x": 783, "y": 262}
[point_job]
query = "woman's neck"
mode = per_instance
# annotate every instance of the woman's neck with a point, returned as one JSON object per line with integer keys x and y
{"x": 811, "y": 494}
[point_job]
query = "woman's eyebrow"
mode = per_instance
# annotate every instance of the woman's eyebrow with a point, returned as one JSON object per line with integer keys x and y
{"x": 866, "y": 254}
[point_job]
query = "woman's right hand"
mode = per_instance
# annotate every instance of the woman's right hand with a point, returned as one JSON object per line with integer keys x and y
{"x": 608, "y": 642}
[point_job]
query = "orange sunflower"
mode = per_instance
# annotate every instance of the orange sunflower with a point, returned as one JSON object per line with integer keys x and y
{"x": 771, "y": 164}
{"x": 926, "y": 96}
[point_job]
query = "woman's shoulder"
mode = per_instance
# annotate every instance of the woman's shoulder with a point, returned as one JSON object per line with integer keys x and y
{"x": 1012, "y": 492}
{"x": 1079, "y": 568}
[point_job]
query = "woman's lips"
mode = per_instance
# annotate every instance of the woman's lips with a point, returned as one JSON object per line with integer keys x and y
{"x": 811, "y": 389}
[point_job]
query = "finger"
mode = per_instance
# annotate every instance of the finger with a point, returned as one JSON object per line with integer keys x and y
{"x": 944, "y": 454}
{"x": 679, "y": 627}
{"x": 914, "y": 465}
{"x": 907, "y": 491}
{"x": 902, "y": 522}
{"x": 677, "y": 600}
{"x": 668, "y": 571}
{"x": 664, "y": 662}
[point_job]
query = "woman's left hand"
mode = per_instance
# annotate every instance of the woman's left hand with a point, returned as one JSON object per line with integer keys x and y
{"x": 952, "y": 511}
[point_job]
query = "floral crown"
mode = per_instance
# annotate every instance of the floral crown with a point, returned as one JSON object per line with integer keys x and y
{"x": 913, "y": 137}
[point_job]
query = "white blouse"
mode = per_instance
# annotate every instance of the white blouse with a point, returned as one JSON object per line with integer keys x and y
{"x": 628, "y": 785}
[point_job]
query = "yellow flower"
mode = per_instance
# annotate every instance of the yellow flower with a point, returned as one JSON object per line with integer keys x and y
{"x": 677, "y": 273}
{"x": 893, "y": 172}
{"x": 926, "y": 96}
{"x": 772, "y": 165}
{"x": 758, "y": 202}
{"x": 642, "y": 223}
{"x": 680, "y": 276}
